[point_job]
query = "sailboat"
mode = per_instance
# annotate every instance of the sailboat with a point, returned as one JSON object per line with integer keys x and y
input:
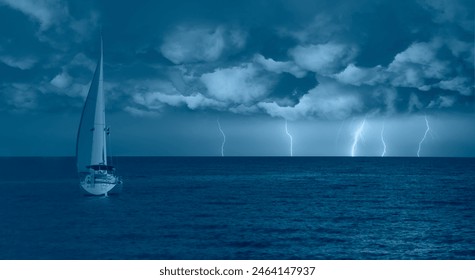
{"x": 97, "y": 177}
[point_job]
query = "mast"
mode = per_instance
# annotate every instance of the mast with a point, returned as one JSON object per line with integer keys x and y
{"x": 99, "y": 153}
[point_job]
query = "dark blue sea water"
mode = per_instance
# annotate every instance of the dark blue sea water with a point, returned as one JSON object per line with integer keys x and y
{"x": 242, "y": 208}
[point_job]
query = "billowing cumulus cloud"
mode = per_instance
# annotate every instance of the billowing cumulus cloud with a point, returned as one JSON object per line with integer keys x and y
{"x": 305, "y": 61}
{"x": 462, "y": 85}
{"x": 329, "y": 100}
{"x": 237, "y": 85}
{"x": 328, "y": 59}
{"x": 415, "y": 65}
{"x": 323, "y": 59}
{"x": 442, "y": 102}
{"x": 155, "y": 100}
{"x": 61, "y": 80}
{"x": 21, "y": 97}
{"x": 358, "y": 76}
{"x": 152, "y": 97}
{"x": 20, "y": 63}
{"x": 44, "y": 12}
{"x": 188, "y": 44}
{"x": 424, "y": 67}
{"x": 271, "y": 65}
{"x": 447, "y": 11}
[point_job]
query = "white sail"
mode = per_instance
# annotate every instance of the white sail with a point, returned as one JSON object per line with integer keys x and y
{"x": 99, "y": 151}
{"x": 91, "y": 151}
{"x": 91, "y": 144}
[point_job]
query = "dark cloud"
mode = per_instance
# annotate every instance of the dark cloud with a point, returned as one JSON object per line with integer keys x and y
{"x": 221, "y": 56}
{"x": 299, "y": 59}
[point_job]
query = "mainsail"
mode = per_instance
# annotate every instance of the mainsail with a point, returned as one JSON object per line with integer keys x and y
{"x": 91, "y": 138}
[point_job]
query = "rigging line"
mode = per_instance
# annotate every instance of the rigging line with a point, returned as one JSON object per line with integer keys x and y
{"x": 109, "y": 146}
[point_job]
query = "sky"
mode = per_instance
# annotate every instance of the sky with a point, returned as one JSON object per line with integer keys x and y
{"x": 172, "y": 69}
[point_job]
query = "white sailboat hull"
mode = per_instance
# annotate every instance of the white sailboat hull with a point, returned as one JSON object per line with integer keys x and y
{"x": 101, "y": 184}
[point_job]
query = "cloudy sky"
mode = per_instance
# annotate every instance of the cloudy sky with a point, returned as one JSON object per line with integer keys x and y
{"x": 174, "y": 68}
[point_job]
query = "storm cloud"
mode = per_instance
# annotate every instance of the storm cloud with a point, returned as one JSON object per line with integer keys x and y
{"x": 238, "y": 63}
{"x": 298, "y": 60}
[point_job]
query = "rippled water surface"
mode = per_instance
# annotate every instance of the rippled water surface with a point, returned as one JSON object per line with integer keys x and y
{"x": 242, "y": 208}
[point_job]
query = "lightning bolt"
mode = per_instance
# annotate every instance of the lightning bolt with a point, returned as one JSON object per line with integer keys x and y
{"x": 357, "y": 137}
{"x": 224, "y": 138}
{"x": 382, "y": 140}
{"x": 425, "y": 135}
{"x": 291, "y": 140}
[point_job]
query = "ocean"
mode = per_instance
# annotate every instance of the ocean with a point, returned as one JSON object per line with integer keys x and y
{"x": 242, "y": 208}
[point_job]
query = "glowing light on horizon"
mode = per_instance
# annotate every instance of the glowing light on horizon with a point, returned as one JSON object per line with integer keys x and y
{"x": 224, "y": 138}
{"x": 357, "y": 137}
{"x": 425, "y": 135}
{"x": 291, "y": 140}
